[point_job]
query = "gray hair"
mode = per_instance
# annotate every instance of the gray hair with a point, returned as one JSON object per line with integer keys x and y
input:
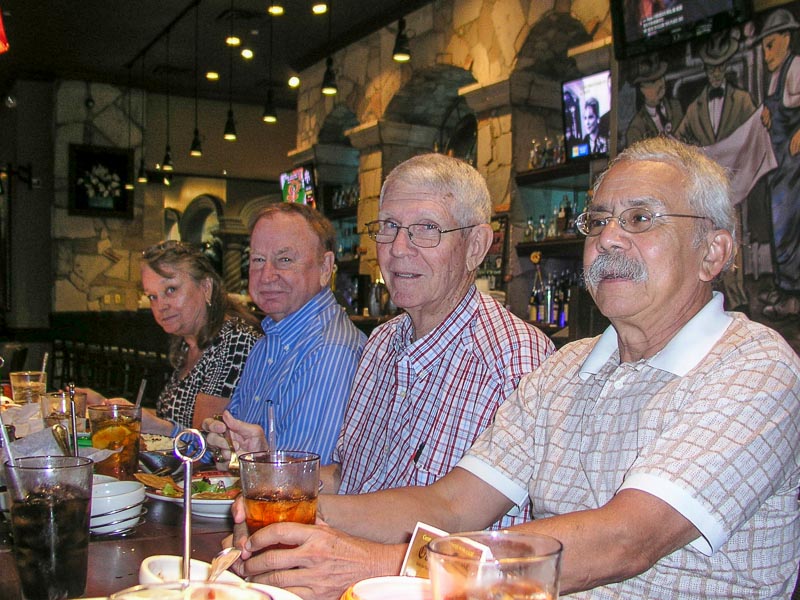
{"x": 449, "y": 177}
{"x": 707, "y": 185}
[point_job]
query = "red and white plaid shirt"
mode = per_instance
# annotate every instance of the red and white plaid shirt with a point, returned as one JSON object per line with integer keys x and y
{"x": 415, "y": 408}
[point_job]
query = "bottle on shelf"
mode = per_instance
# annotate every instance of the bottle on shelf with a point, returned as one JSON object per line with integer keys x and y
{"x": 549, "y": 301}
{"x": 536, "y": 301}
{"x": 541, "y": 230}
{"x": 529, "y": 230}
{"x": 552, "y": 226}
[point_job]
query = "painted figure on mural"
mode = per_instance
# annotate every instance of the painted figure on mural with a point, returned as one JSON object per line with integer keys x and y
{"x": 659, "y": 114}
{"x": 718, "y": 110}
{"x": 781, "y": 117}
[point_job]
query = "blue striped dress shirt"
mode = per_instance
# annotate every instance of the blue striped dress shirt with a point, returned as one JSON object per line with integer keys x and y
{"x": 305, "y": 365}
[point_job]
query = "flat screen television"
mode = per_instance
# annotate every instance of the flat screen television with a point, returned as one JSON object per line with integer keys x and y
{"x": 642, "y": 26}
{"x": 297, "y": 185}
{"x": 586, "y": 106}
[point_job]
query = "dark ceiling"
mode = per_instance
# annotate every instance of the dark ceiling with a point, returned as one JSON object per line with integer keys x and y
{"x": 105, "y": 40}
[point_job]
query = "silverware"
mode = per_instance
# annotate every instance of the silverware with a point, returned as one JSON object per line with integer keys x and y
{"x": 221, "y": 562}
{"x": 61, "y": 435}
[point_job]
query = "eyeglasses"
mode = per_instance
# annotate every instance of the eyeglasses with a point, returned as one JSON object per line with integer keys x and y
{"x": 422, "y": 235}
{"x": 175, "y": 246}
{"x": 632, "y": 220}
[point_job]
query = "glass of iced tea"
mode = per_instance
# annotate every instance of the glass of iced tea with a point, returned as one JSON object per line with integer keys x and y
{"x": 116, "y": 427}
{"x": 279, "y": 486}
{"x": 483, "y": 565}
{"x": 50, "y": 498}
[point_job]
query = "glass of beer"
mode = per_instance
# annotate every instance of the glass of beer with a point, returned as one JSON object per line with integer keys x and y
{"x": 50, "y": 498}
{"x": 279, "y": 486}
{"x": 116, "y": 427}
{"x": 483, "y": 565}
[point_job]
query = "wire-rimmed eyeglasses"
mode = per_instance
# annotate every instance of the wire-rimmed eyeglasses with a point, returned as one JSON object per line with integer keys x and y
{"x": 422, "y": 235}
{"x": 632, "y": 220}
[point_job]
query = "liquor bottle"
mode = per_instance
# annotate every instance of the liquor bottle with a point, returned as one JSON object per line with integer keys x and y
{"x": 549, "y": 301}
{"x": 529, "y": 230}
{"x": 561, "y": 223}
{"x": 541, "y": 230}
{"x": 552, "y": 227}
{"x": 536, "y": 301}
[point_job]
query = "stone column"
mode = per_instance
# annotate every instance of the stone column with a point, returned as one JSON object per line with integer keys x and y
{"x": 234, "y": 237}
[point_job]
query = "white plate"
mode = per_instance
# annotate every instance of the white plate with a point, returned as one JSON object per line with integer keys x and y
{"x": 214, "y": 509}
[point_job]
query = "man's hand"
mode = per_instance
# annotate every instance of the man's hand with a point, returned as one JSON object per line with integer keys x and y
{"x": 245, "y": 437}
{"x": 320, "y": 562}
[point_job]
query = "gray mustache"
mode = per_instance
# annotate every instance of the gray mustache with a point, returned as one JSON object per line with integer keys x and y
{"x": 614, "y": 265}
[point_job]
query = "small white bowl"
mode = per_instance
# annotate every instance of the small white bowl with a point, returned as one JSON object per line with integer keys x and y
{"x": 116, "y": 505}
{"x": 96, "y": 479}
{"x": 162, "y": 567}
{"x": 396, "y": 587}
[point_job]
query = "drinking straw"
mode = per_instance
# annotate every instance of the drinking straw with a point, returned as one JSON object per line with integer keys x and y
{"x": 140, "y": 395}
{"x": 43, "y": 376}
{"x": 73, "y": 418}
{"x": 12, "y": 473}
{"x": 271, "y": 437}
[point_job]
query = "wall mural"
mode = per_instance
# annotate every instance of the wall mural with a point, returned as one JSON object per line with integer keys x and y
{"x": 736, "y": 93}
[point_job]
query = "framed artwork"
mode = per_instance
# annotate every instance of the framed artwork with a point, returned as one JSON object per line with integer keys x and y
{"x": 97, "y": 179}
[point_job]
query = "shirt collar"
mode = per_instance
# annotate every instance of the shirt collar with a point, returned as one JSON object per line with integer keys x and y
{"x": 682, "y": 353}
{"x": 299, "y": 321}
{"x": 443, "y": 334}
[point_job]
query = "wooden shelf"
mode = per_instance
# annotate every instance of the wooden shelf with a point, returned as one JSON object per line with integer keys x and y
{"x": 568, "y": 247}
{"x": 571, "y": 169}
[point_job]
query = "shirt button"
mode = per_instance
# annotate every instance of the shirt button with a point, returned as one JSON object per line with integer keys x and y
{"x": 618, "y": 384}
{"x": 286, "y": 348}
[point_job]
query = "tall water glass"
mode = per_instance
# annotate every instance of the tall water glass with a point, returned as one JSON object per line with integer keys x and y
{"x": 50, "y": 498}
{"x": 484, "y": 565}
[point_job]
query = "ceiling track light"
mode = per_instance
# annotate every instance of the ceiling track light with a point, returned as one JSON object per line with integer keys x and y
{"x": 401, "y": 52}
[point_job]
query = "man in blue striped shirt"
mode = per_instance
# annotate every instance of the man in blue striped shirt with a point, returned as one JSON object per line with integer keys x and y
{"x": 305, "y": 362}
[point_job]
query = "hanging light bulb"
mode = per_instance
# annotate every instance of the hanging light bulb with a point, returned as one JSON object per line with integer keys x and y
{"x": 196, "y": 149}
{"x": 270, "y": 114}
{"x": 166, "y": 164}
{"x": 401, "y": 52}
{"x": 230, "y": 127}
{"x": 142, "y": 175}
{"x": 329, "y": 87}
{"x": 319, "y": 8}
{"x": 129, "y": 184}
{"x": 229, "y": 133}
{"x": 294, "y": 81}
{"x": 275, "y": 8}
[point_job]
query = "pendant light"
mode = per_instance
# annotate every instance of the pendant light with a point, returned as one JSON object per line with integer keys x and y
{"x": 142, "y": 175}
{"x": 230, "y": 124}
{"x": 401, "y": 52}
{"x": 196, "y": 148}
{"x": 319, "y": 7}
{"x": 270, "y": 114}
{"x": 329, "y": 87}
{"x": 129, "y": 116}
{"x": 166, "y": 164}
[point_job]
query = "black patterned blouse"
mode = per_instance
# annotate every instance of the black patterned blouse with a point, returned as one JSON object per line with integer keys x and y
{"x": 216, "y": 373}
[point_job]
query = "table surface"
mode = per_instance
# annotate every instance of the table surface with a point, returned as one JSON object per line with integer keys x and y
{"x": 114, "y": 562}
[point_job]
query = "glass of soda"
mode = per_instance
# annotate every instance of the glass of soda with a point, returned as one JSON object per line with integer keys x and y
{"x": 50, "y": 498}
{"x": 116, "y": 427}
{"x": 279, "y": 486}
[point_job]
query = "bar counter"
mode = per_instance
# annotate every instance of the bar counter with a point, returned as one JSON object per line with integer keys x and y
{"x": 114, "y": 562}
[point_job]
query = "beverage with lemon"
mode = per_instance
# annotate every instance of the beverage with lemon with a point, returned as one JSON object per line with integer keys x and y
{"x": 116, "y": 427}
